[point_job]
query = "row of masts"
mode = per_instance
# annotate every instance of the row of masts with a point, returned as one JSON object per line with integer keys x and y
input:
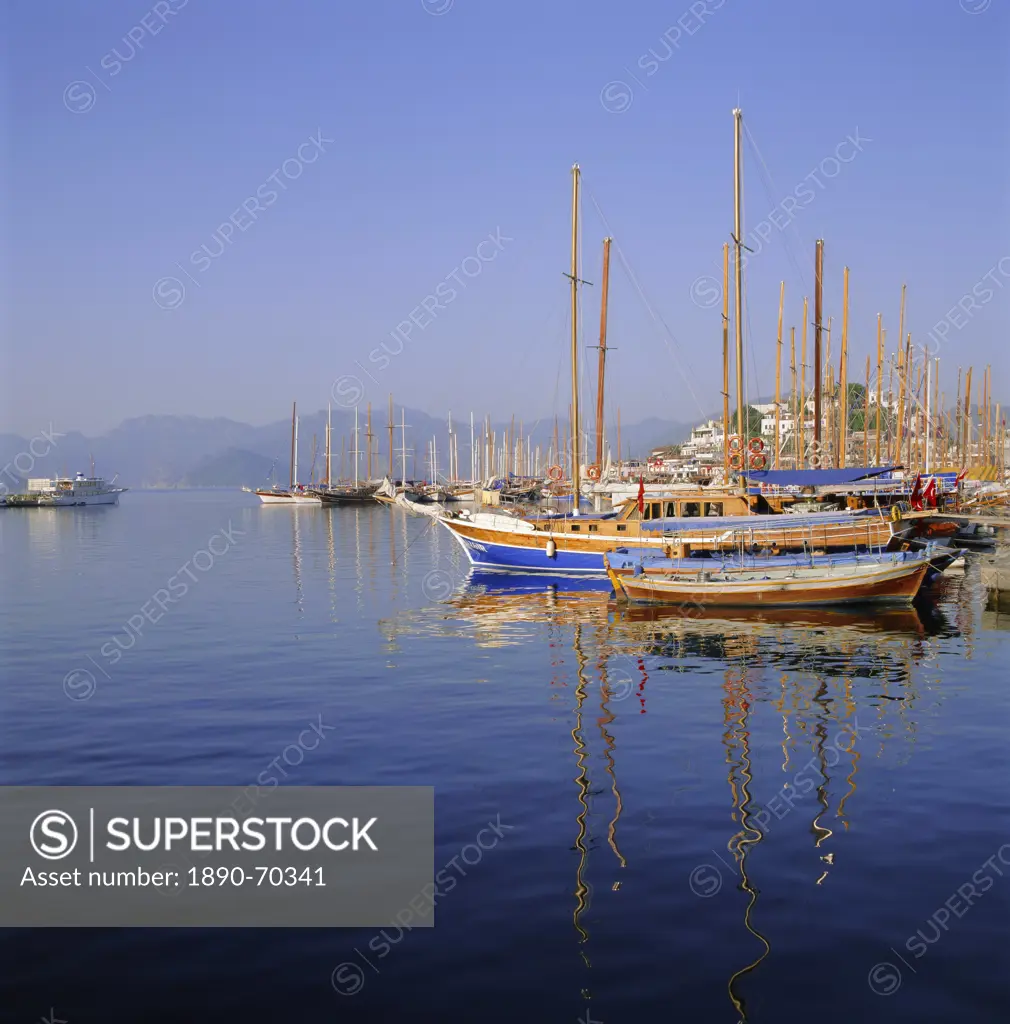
{"x": 915, "y": 429}
{"x": 493, "y": 453}
{"x": 905, "y": 421}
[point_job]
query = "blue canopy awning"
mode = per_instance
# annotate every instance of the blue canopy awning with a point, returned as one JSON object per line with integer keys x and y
{"x": 814, "y": 477}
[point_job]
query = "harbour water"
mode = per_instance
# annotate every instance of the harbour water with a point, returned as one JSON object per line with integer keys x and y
{"x": 745, "y": 816}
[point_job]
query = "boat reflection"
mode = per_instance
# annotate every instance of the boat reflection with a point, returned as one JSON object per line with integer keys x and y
{"x": 533, "y": 582}
{"x": 927, "y": 620}
{"x": 737, "y": 702}
{"x": 845, "y": 684}
{"x": 582, "y": 892}
{"x": 296, "y": 559}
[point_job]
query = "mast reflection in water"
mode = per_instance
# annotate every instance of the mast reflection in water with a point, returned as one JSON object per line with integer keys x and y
{"x": 834, "y": 773}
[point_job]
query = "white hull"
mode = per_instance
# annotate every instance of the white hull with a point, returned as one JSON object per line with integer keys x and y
{"x": 67, "y": 492}
{"x": 68, "y": 500}
{"x": 284, "y": 498}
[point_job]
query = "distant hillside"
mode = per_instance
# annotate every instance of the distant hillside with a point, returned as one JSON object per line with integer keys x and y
{"x": 235, "y": 468}
{"x": 176, "y": 451}
{"x": 654, "y": 433}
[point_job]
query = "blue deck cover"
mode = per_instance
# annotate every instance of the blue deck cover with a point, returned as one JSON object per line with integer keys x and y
{"x": 815, "y": 477}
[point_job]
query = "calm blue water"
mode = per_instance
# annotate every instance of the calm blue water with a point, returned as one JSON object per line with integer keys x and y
{"x": 724, "y": 819}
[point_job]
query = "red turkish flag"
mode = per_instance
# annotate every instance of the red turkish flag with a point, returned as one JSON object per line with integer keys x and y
{"x": 929, "y": 494}
{"x": 915, "y": 498}
{"x": 641, "y": 495}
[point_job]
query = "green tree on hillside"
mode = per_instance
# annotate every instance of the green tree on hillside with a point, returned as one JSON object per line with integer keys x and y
{"x": 752, "y": 419}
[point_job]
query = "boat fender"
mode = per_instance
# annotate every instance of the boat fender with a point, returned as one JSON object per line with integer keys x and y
{"x": 895, "y": 514}
{"x": 552, "y": 548}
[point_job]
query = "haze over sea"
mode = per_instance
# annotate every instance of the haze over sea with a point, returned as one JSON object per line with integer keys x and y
{"x": 738, "y": 817}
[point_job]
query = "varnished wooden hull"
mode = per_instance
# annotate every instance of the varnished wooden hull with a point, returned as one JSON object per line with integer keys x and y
{"x": 347, "y": 496}
{"x": 554, "y": 547}
{"x": 632, "y": 564}
{"x": 895, "y": 583}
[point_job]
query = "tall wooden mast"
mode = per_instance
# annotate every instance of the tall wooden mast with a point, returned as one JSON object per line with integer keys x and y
{"x": 890, "y": 400}
{"x": 901, "y": 335}
{"x": 966, "y": 458}
{"x": 328, "y": 453}
{"x": 389, "y": 427}
{"x": 818, "y": 301}
{"x": 899, "y": 429}
{"x": 489, "y": 467}
{"x": 355, "y": 451}
{"x": 368, "y": 438}
{"x": 778, "y": 376}
{"x": 795, "y": 405}
{"x": 741, "y": 427}
{"x": 294, "y": 412}
{"x": 510, "y": 447}
{"x": 576, "y": 481}
{"x": 927, "y": 452}
{"x": 803, "y": 384}
{"x": 880, "y": 383}
{"x": 603, "y": 353}
{"x": 843, "y": 374}
{"x": 937, "y": 409}
{"x": 984, "y": 417}
{"x": 830, "y": 440}
{"x": 866, "y": 416}
{"x": 725, "y": 361}
{"x": 909, "y": 368}
{"x": 618, "y": 441}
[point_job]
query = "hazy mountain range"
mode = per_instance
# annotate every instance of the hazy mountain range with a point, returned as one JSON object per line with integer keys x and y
{"x": 191, "y": 451}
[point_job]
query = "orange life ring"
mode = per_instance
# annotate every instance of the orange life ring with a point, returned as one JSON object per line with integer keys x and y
{"x": 758, "y": 461}
{"x": 555, "y": 473}
{"x": 755, "y": 444}
{"x": 593, "y": 472}
{"x": 735, "y": 443}
{"x": 736, "y": 461}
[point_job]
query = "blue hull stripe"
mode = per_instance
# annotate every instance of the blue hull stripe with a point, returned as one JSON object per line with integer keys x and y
{"x": 490, "y": 555}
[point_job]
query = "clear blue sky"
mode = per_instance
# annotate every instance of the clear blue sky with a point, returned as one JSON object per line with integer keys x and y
{"x": 124, "y": 157}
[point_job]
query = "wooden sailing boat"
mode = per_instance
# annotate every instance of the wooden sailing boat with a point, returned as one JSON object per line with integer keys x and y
{"x": 642, "y": 561}
{"x": 296, "y": 493}
{"x": 891, "y": 581}
{"x": 356, "y": 493}
{"x": 577, "y": 542}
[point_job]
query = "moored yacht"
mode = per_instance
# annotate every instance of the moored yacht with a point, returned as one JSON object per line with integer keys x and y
{"x": 67, "y": 491}
{"x": 295, "y": 493}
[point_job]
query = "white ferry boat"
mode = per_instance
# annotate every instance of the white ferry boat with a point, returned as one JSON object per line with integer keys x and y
{"x": 66, "y": 491}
